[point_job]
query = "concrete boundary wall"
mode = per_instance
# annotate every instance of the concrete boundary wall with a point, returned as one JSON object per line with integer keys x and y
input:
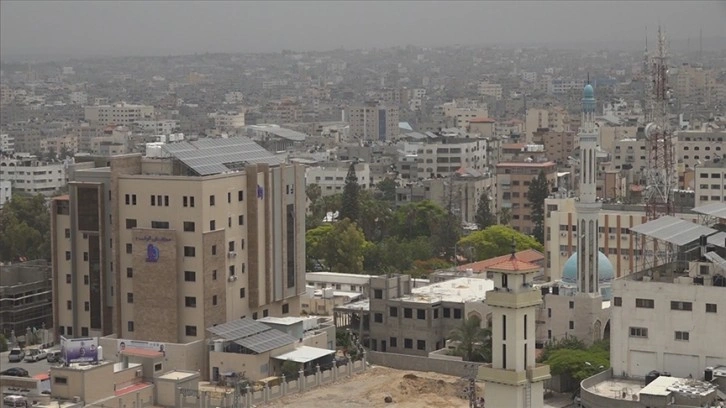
{"x": 418, "y": 363}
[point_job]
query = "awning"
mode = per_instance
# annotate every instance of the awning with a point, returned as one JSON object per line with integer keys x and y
{"x": 673, "y": 230}
{"x": 305, "y": 354}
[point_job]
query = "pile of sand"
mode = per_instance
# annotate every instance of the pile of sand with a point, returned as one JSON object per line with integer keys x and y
{"x": 427, "y": 389}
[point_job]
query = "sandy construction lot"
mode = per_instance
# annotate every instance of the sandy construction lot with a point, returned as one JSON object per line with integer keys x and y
{"x": 409, "y": 389}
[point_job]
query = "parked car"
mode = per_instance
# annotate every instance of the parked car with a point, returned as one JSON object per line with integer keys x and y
{"x": 54, "y": 356}
{"x": 36, "y": 354}
{"x": 16, "y": 355}
{"x": 15, "y": 372}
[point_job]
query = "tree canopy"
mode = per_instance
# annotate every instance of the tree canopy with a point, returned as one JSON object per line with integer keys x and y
{"x": 539, "y": 190}
{"x": 340, "y": 245}
{"x": 571, "y": 357}
{"x": 484, "y": 216}
{"x": 350, "y": 205}
{"x": 25, "y": 228}
{"x": 497, "y": 240}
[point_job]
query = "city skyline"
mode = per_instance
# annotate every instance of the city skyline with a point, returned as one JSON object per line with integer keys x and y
{"x": 162, "y": 28}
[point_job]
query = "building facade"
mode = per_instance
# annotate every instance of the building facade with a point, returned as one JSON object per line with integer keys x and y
{"x": 33, "y": 176}
{"x": 373, "y": 122}
{"x": 160, "y": 249}
{"x": 118, "y": 114}
{"x": 710, "y": 182}
{"x": 25, "y": 297}
{"x": 513, "y": 180}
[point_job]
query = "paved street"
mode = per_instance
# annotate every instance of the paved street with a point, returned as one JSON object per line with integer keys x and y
{"x": 37, "y": 367}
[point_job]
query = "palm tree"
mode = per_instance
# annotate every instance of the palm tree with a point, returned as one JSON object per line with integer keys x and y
{"x": 475, "y": 342}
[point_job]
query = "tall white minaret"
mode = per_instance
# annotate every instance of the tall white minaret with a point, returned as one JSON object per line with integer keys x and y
{"x": 587, "y": 205}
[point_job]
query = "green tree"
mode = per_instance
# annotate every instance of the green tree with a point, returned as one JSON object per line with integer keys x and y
{"x": 375, "y": 217}
{"x": 351, "y": 190}
{"x": 539, "y": 190}
{"x": 344, "y": 247}
{"x": 313, "y": 192}
{"x": 315, "y": 244}
{"x": 25, "y": 228}
{"x": 505, "y": 216}
{"x": 497, "y": 240}
{"x": 417, "y": 219}
{"x": 475, "y": 342}
{"x": 387, "y": 189}
{"x": 578, "y": 364}
{"x": 3, "y": 343}
{"x": 290, "y": 369}
{"x": 484, "y": 216}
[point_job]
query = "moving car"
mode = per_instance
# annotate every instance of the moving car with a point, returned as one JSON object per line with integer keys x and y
{"x": 54, "y": 356}
{"x": 36, "y": 354}
{"x": 15, "y": 372}
{"x": 16, "y": 355}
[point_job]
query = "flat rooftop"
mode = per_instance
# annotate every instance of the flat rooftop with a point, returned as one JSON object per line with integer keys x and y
{"x": 458, "y": 290}
{"x": 614, "y": 388}
{"x": 178, "y": 375}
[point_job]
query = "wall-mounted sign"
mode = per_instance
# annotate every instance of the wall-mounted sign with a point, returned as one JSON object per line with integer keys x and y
{"x": 152, "y": 253}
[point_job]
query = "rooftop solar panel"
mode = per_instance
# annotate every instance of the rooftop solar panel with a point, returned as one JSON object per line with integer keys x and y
{"x": 215, "y": 156}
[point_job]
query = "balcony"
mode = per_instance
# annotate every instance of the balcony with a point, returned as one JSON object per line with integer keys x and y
{"x": 539, "y": 372}
{"x": 501, "y": 376}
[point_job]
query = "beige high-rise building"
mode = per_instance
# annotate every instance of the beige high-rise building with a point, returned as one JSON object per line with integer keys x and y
{"x": 373, "y": 122}
{"x": 513, "y": 180}
{"x": 160, "y": 249}
{"x": 118, "y": 114}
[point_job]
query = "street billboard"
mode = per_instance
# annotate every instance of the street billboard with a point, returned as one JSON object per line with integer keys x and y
{"x": 123, "y": 344}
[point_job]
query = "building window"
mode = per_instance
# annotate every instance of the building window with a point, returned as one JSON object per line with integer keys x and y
{"x": 549, "y": 334}
{"x": 130, "y": 223}
{"x": 190, "y": 330}
{"x": 254, "y": 316}
{"x": 229, "y": 197}
{"x": 85, "y": 256}
{"x": 378, "y": 293}
{"x": 618, "y": 301}
{"x": 645, "y": 303}
{"x": 421, "y": 344}
{"x": 682, "y": 336}
{"x": 129, "y": 297}
{"x": 457, "y": 314}
{"x": 129, "y": 248}
{"x": 265, "y": 313}
{"x": 60, "y": 380}
{"x": 504, "y": 327}
{"x": 572, "y": 304}
{"x": 160, "y": 224}
{"x": 68, "y": 255}
{"x": 711, "y": 308}
{"x": 214, "y": 274}
{"x": 190, "y": 251}
{"x": 211, "y": 203}
{"x": 185, "y": 201}
{"x": 639, "y": 332}
{"x": 130, "y": 326}
{"x": 214, "y": 300}
{"x": 240, "y": 195}
{"x": 572, "y": 325}
{"x": 190, "y": 276}
{"x": 68, "y": 278}
{"x": 685, "y": 306}
{"x": 393, "y": 342}
{"x": 436, "y": 313}
{"x": 86, "y": 306}
{"x": 190, "y": 301}
{"x": 214, "y": 250}
{"x": 231, "y": 270}
{"x": 421, "y": 314}
{"x": 447, "y": 313}
{"x": 241, "y": 293}
{"x": 408, "y": 343}
{"x": 407, "y": 312}
{"x": 393, "y": 311}
{"x": 285, "y": 308}
{"x": 230, "y": 246}
{"x": 69, "y": 305}
{"x": 212, "y": 225}
{"x": 378, "y": 317}
{"x": 188, "y": 226}
{"x": 241, "y": 220}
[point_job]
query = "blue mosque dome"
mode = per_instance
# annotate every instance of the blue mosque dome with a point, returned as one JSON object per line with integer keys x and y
{"x": 588, "y": 92}
{"x": 606, "y": 273}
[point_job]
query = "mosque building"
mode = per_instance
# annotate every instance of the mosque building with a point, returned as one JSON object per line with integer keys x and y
{"x": 578, "y": 305}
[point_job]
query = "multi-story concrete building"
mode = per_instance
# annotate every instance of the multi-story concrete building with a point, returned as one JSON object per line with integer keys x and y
{"x": 554, "y": 119}
{"x": 557, "y": 145}
{"x": 710, "y": 182}
{"x": 513, "y": 180}
{"x": 78, "y": 98}
{"x": 25, "y": 297}
{"x": 331, "y": 176}
{"x": 417, "y": 321}
{"x": 161, "y": 248}
{"x": 28, "y": 174}
{"x": 118, "y": 114}
{"x": 7, "y": 144}
{"x": 373, "y": 122}
{"x": 489, "y": 89}
{"x": 158, "y": 127}
{"x": 445, "y": 156}
{"x": 694, "y": 147}
{"x": 6, "y": 192}
{"x": 229, "y": 120}
{"x": 630, "y": 153}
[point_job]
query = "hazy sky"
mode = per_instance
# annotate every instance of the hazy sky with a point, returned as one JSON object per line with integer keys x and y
{"x": 182, "y": 27}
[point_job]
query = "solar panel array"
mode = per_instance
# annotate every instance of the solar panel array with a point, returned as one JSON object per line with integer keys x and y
{"x": 208, "y": 156}
{"x": 252, "y": 335}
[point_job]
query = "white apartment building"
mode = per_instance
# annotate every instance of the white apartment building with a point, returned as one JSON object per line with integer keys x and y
{"x": 694, "y": 146}
{"x": 462, "y": 115}
{"x": 445, "y": 157}
{"x": 158, "y": 127}
{"x": 710, "y": 183}
{"x": 489, "y": 89}
{"x": 616, "y": 242}
{"x": 669, "y": 321}
{"x": 563, "y": 86}
{"x": 331, "y": 176}
{"x": 6, "y": 192}
{"x": 118, "y": 114}
{"x": 228, "y": 120}
{"x": 7, "y": 144}
{"x": 78, "y": 98}
{"x": 630, "y": 153}
{"x": 32, "y": 176}
{"x": 373, "y": 122}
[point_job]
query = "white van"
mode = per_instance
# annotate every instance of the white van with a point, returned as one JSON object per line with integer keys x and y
{"x": 15, "y": 401}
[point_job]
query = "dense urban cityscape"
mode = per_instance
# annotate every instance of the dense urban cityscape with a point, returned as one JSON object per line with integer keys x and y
{"x": 502, "y": 225}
